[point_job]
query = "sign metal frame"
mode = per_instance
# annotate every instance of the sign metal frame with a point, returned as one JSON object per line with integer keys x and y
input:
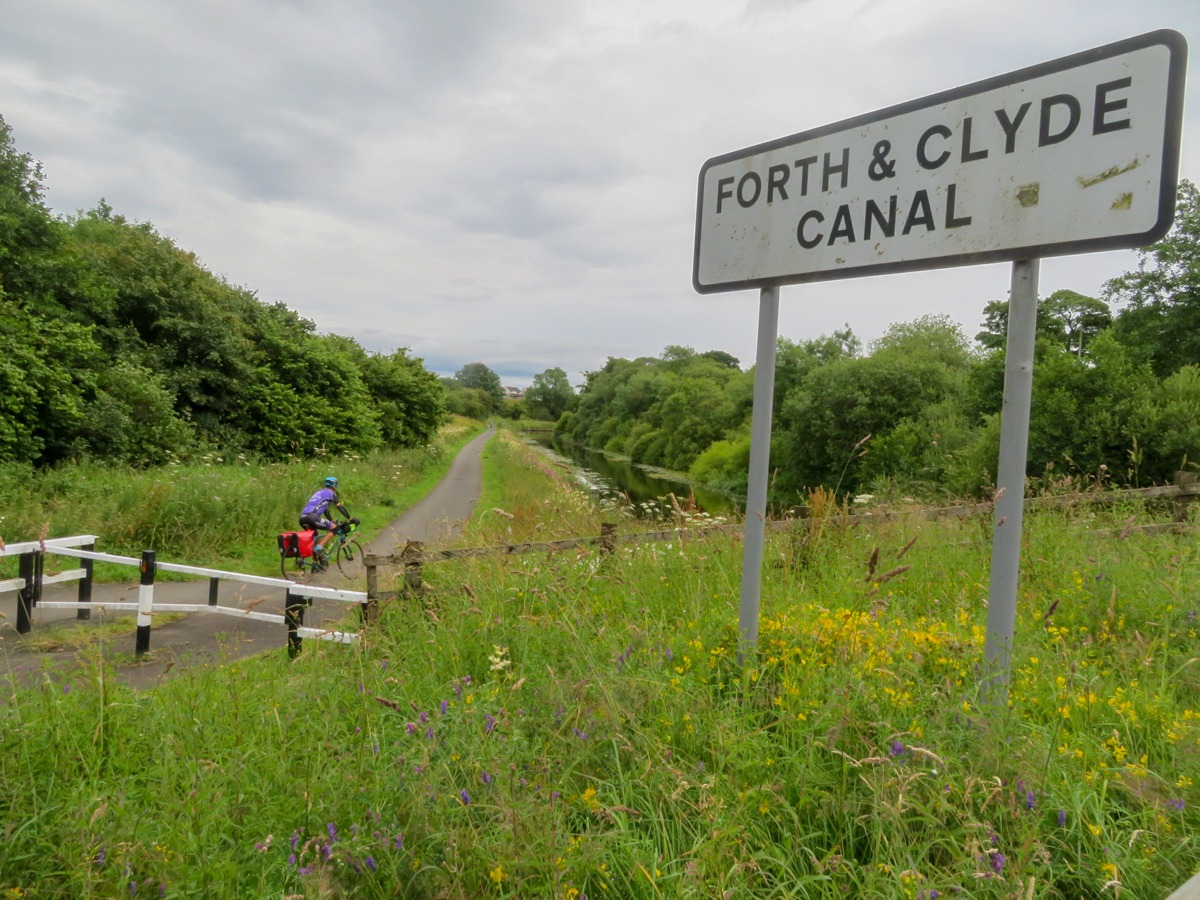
{"x": 859, "y": 126}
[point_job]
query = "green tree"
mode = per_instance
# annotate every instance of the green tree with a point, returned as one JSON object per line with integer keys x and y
{"x": 1076, "y": 318}
{"x": 841, "y": 411}
{"x": 408, "y": 398}
{"x": 132, "y": 418}
{"x": 1167, "y": 428}
{"x": 1159, "y": 303}
{"x": 550, "y": 395}
{"x": 47, "y": 373}
{"x": 477, "y": 376}
{"x": 31, "y": 262}
{"x": 1065, "y": 317}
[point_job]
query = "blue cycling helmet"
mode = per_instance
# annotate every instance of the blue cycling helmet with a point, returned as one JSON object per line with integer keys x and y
{"x": 331, "y": 482}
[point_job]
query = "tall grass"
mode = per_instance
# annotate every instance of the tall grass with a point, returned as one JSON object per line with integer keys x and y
{"x": 575, "y": 725}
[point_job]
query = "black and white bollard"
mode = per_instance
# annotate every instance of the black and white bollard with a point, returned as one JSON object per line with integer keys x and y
{"x": 145, "y": 603}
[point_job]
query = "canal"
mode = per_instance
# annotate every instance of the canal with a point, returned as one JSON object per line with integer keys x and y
{"x": 615, "y": 479}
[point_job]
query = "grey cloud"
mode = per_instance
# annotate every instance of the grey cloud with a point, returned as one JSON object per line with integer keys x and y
{"x": 268, "y": 93}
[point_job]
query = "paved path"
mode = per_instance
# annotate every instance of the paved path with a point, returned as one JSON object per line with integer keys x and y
{"x": 204, "y": 638}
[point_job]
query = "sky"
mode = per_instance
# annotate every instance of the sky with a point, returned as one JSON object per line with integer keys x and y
{"x": 512, "y": 182}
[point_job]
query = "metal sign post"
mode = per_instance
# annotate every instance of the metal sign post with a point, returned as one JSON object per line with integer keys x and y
{"x": 760, "y": 463}
{"x": 1009, "y": 510}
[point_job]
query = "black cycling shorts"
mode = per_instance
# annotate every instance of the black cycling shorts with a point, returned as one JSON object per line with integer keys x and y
{"x": 317, "y": 523}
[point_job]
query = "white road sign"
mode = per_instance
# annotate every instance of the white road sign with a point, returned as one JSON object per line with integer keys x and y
{"x": 1074, "y": 155}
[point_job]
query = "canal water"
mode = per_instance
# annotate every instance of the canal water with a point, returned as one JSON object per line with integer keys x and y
{"x": 615, "y": 479}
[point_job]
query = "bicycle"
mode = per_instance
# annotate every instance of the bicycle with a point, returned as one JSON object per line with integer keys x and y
{"x": 341, "y": 549}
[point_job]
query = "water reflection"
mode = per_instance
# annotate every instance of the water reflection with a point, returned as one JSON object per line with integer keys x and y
{"x": 615, "y": 479}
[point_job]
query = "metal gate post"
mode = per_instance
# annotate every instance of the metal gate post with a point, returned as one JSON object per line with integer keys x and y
{"x": 85, "y": 585}
{"x": 27, "y": 569}
{"x": 293, "y": 615}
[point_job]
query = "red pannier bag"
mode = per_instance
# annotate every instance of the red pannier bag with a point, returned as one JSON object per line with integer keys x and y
{"x": 296, "y": 543}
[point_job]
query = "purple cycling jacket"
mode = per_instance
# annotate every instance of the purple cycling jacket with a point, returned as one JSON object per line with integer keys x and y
{"x": 318, "y": 503}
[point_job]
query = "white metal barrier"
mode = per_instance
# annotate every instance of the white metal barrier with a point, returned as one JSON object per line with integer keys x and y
{"x": 31, "y": 580}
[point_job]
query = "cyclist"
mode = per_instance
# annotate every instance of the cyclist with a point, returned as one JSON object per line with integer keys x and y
{"x": 314, "y": 517}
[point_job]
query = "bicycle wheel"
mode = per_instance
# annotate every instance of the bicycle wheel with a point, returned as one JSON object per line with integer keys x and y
{"x": 294, "y": 568}
{"x": 348, "y": 556}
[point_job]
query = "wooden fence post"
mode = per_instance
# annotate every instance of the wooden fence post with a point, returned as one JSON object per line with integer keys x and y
{"x": 1187, "y": 482}
{"x": 370, "y": 609}
{"x": 412, "y": 566}
{"x": 608, "y": 537}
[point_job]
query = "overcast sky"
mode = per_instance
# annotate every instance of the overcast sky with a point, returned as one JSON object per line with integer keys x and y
{"x": 509, "y": 181}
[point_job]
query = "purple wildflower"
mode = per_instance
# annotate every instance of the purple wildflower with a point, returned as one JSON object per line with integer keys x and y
{"x": 101, "y": 856}
{"x": 445, "y": 706}
{"x": 429, "y": 733}
{"x": 1030, "y": 800}
{"x": 485, "y": 778}
{"x": 997, "y": 861}
{"x": 898, "y": 750}
{"x": 465, "y": 797}
{"x": 424, "y": 717}
{"x": 332, "y": 831}
{"x": 295, "y": 839}
{"x": 292, "y": 859}
{"x": 371, "y": 863}
{"x": 411, "y": 726}
{"x": 132, "y": 888}
{"x": 398, "y": 841}
{"x": 1177, "y": 803}
{"x": 491, "y": 723}
{"x": 582, "y": 735}
{"x": 307, "y": 870}
{"x": 1062, "y": 818}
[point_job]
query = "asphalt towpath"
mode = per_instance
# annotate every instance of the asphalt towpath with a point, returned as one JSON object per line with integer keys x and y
{"x": 200, "y": 639}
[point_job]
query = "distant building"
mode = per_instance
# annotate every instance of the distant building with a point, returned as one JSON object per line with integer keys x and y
{"x": 514, "y": 393}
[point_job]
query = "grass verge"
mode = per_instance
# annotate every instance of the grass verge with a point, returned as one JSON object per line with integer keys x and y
{"x": 576, "y": 725}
